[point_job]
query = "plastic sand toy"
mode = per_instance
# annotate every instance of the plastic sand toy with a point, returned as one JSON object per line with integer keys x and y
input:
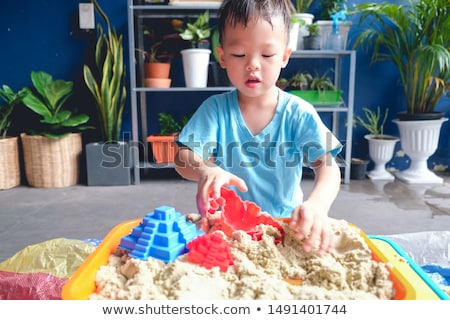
{"x": 210, "y": 250}
{"x": 237, "y": 214}
{"x": 162, "y": 234}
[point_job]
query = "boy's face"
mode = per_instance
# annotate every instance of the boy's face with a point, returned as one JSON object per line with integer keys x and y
{"x": 254, "y": 55}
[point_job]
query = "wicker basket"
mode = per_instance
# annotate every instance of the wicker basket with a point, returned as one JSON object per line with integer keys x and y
{"x": 9, "y": 163}
{"x": 52, "y": 163}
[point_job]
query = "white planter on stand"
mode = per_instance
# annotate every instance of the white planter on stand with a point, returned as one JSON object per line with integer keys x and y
{"x": 293, "y": 35}
{"x": 326, "y": 27}
{"x": 195, "y": 67}
{"x": 302, "y": 31}
{"x": 419, "y": 139}
{"x": 381, "y": 150}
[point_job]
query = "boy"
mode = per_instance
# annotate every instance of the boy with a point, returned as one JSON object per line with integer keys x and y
{"x": 259, "y": 135}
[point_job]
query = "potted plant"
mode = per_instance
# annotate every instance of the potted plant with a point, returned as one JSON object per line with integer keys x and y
{"x": 321, "y": 91}
{"x": 358, "y": 168}
{"x": 413, "y": 38}
{"x": 196, "y": 58}
{"x": 164, "y": 144}
{"x": 312, "y": 40}
{"x": 329, "y": 9}
{"x": 108, "y": 160}
{"x": 300, "y": 18}
{"x": 156, "y": 71}
{"x": 381, "y": 146}
{"x": 9, "y": 145}
{"x": 162, "y": 42}
{"x": 52, "y": 148}
{"x": 301, "y": 80}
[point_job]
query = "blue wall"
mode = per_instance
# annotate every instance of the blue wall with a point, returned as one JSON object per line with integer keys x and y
{"x": 43, "y": 35}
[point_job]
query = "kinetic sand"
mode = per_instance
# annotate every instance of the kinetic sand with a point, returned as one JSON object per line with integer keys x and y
{"x": 260, "y": 271}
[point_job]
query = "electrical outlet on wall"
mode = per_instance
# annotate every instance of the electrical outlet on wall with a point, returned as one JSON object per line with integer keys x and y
{"x": 86, "y": 15}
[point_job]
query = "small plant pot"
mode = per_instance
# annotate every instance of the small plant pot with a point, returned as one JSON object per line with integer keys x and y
{"x": 358, "y": 169}
{"x": 157, "y": 82}
{"x": 311, "y": 42}
{"x": 164, "y": 148}
{"x": 156, "y": 70}
{"x": 195, "y": 67}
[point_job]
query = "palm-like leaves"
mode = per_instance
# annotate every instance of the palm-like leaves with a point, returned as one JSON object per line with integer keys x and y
{"x": 108, "y": 88}
{"x": 416, "y": 39}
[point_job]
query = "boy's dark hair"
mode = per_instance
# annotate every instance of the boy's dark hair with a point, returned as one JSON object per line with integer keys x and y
{"x": 234, "y": 12}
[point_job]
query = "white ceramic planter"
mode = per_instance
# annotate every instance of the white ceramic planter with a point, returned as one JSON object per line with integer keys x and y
{"x": 380, "y": 152}
{"x": 195, "y": 67}
{"x": 293, "y": 36}
{"x": 419, "y": 139}
{"x": 302, "y": 31}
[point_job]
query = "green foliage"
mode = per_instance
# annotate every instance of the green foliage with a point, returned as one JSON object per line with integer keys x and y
{"x": 416, "y": 39}
{"x": 302, "y": 6}
{"x": 373, "y": 122}
{"x": 11, "y": 99}
{"x": 313, "y": 29}
{"x": 107, "y": 81}
{"x": 322, "y": 83}
{"x": 169, "y": 125}
{"x": 305, "y": 81}
{"x": 48, "y": 100}
{"x": 197, "y": 31}
{"x": 301, "y": 80}
{"x": 330, "y": 7}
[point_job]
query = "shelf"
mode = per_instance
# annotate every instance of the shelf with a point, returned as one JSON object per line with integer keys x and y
{"x": 181, "y": 89}
{"x": 321, "y": 54}
{"x": 141, "y": 96}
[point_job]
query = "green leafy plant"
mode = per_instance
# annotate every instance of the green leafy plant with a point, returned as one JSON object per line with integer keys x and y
{"x": 313, "y": 29}
{"x": 197, "y": 31}
{"x": 330, "y": 7}
{"x": 302, "y": 6}
{"x": 107, "y": 81}
{"x": 300, "y": 80}
{"x": 416, "y": 40}
{"x": 373, "y": 122}
{"x": 11, "y": 99}
{"x": 170, "y": 126}
{"x": 163, "y": 46}
{"x": 322, "y": 83}
{"x": 282, "y": 83}
{"x": 48, "y": 100}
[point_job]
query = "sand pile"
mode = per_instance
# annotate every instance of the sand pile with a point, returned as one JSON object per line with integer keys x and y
{"x": 259, "y": 271}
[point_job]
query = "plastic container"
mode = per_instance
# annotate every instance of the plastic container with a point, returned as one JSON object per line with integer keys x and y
{"x": 327, "y": 98}
{"x": 410, "y": 282}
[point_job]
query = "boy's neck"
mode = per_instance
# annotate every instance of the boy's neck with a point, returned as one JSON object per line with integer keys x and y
{"x": 258, "y": 112}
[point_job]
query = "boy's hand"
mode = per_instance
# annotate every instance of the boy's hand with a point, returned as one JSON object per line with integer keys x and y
{"x": 312, "y": 225}
{"x": 211, "y": 180}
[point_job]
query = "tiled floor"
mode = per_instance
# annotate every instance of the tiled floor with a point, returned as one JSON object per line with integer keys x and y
{"x": 32, "y": 215}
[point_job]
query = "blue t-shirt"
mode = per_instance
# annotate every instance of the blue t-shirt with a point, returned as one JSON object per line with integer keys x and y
{"x": 270, "y": 162}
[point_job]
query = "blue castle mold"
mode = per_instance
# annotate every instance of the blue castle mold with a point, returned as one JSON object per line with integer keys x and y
{"x": 163, "y": 234}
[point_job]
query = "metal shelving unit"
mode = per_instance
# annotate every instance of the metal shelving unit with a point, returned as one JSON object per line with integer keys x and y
{"x": 139, "y": 105}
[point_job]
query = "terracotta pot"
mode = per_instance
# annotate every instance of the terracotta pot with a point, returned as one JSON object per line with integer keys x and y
{"x": 156, "y": 70}
{"x": 157, "y": 82}
{"x": 164, "y": 148}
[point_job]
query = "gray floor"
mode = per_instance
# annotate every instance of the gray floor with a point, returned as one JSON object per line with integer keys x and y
{"x": 32, "y": 215}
